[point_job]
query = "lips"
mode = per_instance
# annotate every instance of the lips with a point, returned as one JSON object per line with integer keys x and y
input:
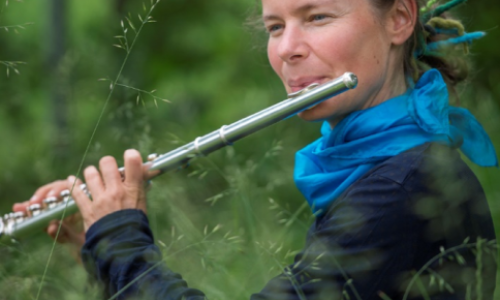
{"x": 303, "y": 82}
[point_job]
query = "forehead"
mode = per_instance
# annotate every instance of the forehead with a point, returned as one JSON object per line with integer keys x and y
{"x": 297, "y": 6}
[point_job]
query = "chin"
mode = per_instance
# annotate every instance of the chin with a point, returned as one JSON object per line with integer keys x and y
{"x": 316, "y": 114}
{"x": 312, "y": 115}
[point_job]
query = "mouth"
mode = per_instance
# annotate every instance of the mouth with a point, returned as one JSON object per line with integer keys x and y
{"x": 301, "y": 83}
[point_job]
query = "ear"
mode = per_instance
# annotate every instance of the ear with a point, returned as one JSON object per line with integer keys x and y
{"x": 402, "y": 19}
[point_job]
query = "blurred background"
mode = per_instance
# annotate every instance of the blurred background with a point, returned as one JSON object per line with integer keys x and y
{"x": 232, "y": 220}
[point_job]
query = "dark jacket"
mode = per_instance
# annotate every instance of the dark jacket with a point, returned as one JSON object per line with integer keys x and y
{"x": 422, "y": 212}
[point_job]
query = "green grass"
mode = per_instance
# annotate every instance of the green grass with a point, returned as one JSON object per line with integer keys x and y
{"x": 214, "y": 73}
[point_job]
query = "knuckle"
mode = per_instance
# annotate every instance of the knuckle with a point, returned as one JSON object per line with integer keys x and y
{"x": 132, "y": 189}
{"x": 112, "y": 194}
{"x": 41, "y": 189}
{"x": 59, "y": 186}
{"x": 118, "y": 193}
{"x": 78, "y": 192}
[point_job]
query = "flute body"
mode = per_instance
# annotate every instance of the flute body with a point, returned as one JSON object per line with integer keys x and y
{"x": 19, "y": 225}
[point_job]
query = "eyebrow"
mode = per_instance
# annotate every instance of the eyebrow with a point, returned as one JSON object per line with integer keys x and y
{"x": 300, "y": 9}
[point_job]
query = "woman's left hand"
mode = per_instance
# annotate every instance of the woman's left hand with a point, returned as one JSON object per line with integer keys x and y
{"x": 109, "y": 192}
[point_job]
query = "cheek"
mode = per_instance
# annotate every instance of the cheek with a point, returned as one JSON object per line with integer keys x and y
{"x": 273, "y": 58}
{"x": 349, "y": 42}
{"x": 345, "y": 46}
{"x": 358, "y": 52}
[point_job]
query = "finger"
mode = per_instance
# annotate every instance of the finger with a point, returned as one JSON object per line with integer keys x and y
{"x": 66, "y": 234}
{"x": 81, "y": 199}
{"x": 109, "y": 171}
{"x": 40, "y": 194}
{"x": 52, "y": 189}
{"x": 56, "y": 188}
{"x": 94, "y": 180}
{"x": 133, "y": 168}
{"x": 52, "y": 228}
{"x": 52, "y": 232}
{"x": 20, "y": 206}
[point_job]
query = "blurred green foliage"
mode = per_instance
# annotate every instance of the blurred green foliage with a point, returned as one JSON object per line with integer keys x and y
{"x": 212, "y": 67}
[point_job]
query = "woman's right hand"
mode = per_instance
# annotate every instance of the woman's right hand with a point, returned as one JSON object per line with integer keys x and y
{"x": 71, "y": 228}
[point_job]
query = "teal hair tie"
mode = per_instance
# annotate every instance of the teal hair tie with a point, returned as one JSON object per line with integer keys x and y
{"x": 466, "y": 38}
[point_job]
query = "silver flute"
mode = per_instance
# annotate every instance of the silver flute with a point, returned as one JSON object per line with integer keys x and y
{"x": 18, "y": 225}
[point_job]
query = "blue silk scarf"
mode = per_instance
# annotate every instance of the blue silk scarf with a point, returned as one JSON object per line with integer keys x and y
{"x": 328, "y": 166}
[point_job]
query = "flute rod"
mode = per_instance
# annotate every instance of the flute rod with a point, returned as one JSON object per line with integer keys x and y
{"x": 15, "y": 226}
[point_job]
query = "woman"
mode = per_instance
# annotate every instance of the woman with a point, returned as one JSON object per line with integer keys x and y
{"x": 387, "y": 157}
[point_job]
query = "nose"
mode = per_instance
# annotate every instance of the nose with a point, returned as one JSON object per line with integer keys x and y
{"x": 292, "y": 46}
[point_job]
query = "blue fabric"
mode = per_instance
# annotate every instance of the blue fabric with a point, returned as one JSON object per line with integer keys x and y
{"x": 327, "y": 167}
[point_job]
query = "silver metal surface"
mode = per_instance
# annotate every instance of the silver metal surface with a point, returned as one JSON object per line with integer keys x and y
{"x": 19, "y": 225}
{"x": 83, "y": 187}
{"x": 223, "y": 136}
{"x": 34, "y": 209}
{"x": 50, "y": 202}
{"x": 152, "y": 156}
{"x": 18, "y": 215}
{"x": 229, "y": 134}
{"x": 303, "y": 91}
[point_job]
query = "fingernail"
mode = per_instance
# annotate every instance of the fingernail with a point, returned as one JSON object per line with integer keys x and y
{"x": 33, "y": 199}
{"x": 71, "y": 179}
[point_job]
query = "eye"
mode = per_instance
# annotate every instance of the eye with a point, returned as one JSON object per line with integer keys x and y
{"x": 274, "y": 28}
{"x": 318, "y": 18}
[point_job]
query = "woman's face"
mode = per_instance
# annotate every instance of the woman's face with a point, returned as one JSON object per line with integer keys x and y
{"x": 318, "y": 40}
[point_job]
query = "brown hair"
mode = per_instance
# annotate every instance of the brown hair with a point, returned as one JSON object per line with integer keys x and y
{"x": 453, "y": 67}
